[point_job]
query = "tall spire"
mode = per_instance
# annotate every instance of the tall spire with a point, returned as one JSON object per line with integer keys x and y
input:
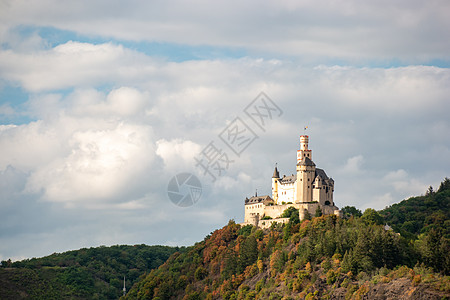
{"x": 276, "y": 174}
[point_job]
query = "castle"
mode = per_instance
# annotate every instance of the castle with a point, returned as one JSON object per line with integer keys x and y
{"x": 308, "y": 191}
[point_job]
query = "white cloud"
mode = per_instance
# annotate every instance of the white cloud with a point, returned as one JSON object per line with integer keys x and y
{"x": 121, "y": 102}
{"x": 353, "y": 165}
{"x": 84, "y": 152}
{"x": 72, "y": 64}
{"x": 380, "y": 202}
{"x": 396, "y": 175}
{"x": 403, "y": 184}
{"x": 177, "y": 154}
{"x": 27, "y": 147}
{"x": 103, "y": 164}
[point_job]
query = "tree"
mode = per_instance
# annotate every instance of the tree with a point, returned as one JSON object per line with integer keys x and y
{"x": 294, "y": 218}
{"x": 248, "y": 252}
{"x": 307, "y": 215}
{"x": 371, "y": 217}
{"x": 200, "y": 273}
{"x": 277, "y": 260}
{"x": 287, "y": 213}
{"x": 445, "y": 185}
{"x": 429, "y": 191}
{"x": 434, "y": 250}
{"x": 318, "y": 212}
{"x": 349, "y": 211}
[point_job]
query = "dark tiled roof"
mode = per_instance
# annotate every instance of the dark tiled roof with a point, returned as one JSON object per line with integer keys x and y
{"x": 306, "y": 162}
{"x": 257, "y": 199}
{"x": 276, "y": 174}
{"x": 288, "y": 179}
{"x": 321, "y": 173}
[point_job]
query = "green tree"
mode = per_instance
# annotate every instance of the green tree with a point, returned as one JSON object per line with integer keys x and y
{"x": 200, "y": 273}
{"x": 430, "y": 191}
{"x": 288, "y": 212}
{"x": 371, "y": 216}
{"x": 318, "y": 212}
{"x": 307, "y": 215}
{"x": 445, "y": 185}
{"x": 434, "y": 249}
{"x": 248, "y": 253}
{"x": 349, "y": 211}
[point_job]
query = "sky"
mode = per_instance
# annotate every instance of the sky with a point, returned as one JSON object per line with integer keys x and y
{"x": 102, "y": 103}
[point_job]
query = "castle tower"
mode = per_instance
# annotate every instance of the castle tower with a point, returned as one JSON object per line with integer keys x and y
{"x": 306, "y": 170}
{"x": 304, "y": 151}
{"x": 275, "y": 178}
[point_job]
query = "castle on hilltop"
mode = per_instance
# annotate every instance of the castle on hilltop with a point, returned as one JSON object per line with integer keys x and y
{"x": 309, "y": 190}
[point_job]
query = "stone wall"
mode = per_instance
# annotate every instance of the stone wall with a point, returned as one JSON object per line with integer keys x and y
{"x": 268, "y": 223}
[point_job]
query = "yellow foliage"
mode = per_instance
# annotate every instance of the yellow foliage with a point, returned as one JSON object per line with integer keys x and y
{"x": 416, "y": 280}
{"x": 260, "y": 265}
{"x": 308, "y": 267}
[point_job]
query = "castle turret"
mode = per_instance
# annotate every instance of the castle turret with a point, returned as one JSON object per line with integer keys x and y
{"x": 275, "y": 178}
{"x": 306, "y": 170}
{"x": 304, "y": 151}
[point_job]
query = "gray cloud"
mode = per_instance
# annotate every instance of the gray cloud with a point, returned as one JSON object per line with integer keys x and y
{"x": 112, "y": 125}
{"x": 353, "y": 31}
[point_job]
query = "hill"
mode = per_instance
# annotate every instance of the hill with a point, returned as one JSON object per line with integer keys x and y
{"x": 418, "y": 215}
{"x": 325, "y": 257}
{"x": 94, "y": 273}
{"x": 322, "y": 258}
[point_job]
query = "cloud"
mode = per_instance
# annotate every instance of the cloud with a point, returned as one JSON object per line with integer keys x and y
{"x": 177, "y": 154}
{"x": 72, "y": 64}
{"x": 404, "y": 185}
{"x": 102, "y": 165}
{"x": 111, "y": 125}
{"x": 83, "y": 152}
{"x": 27, "y": 147}
{"x": 353, "y": 31}
{"x": 395, "y": 90}
{"x": 354, "y": 164}
{"x": 121, "y": 102}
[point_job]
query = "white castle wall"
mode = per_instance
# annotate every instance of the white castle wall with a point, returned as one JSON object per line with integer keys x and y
{"x": 286, "y": 193}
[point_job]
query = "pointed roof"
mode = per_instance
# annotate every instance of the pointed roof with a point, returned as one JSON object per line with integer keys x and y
{"x": 276, "y": 174}
{"x": 306, "y": 161}
{"x": 321, "y": 173}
